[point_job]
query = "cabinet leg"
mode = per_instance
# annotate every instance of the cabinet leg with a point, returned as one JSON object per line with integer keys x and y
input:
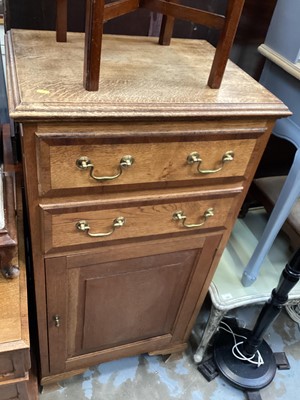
{"x": 173, "y": 357}
{"x": 178, "y": 348}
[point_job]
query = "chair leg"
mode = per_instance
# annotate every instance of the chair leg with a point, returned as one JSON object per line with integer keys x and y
{"x": 287, "y": 197}
{"x": 93, "y": 41}
{"x": 166, "y": 30}
{"x": 233, "y": 13}
{"x": 61, "y": 20}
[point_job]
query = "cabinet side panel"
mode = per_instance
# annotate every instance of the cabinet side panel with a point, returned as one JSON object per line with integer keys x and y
{"x": 57, "y": 312}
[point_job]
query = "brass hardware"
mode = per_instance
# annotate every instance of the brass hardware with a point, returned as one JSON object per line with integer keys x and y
{"x": 179, "y": 216}
{"x": 57, "y": 321}
{"x": 84, "y": 227}
{"x": 10, "y": 271}
{"x": 195, "y": 158}
{"x": 85, "y": 163}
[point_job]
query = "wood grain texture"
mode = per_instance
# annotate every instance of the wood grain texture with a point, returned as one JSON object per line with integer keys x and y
{"x": 153, "y": 103}
{"x": 15, "y": 390}
{"x": 146, "y": 299}
{"x": 260, "y": 146}
{"x": 95, "y": 17}
{"x": 14, "y": 326}
{"x": 155, "y": 276}
{"x": 129, "y": 251}
{"x": 56, "y": 307}
{"x": 93, "y": 42}
{"x": 10, "y": 321}
{"x": 154, "y": 162}
{"x": 135, "y": 71}
{"x": 13, "y": 293}
{"x": 29, "y": 171}
{"x": 167, "y": 27}
{"x": 143, "y": 220}
{"x": 233, "y": 14}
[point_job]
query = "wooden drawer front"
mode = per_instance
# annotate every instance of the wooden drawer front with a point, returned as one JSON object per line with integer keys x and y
{"x": 155, "y": 163}
{"x": 140, "y": 220}
{"x": 14, "y": 391}
{"x": 14, "y": 364}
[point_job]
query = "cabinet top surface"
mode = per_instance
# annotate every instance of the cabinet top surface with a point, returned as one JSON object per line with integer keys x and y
{"x": 138, "y": 78}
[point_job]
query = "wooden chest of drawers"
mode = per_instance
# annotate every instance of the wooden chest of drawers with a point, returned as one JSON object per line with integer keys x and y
{"x": 132, "y": 191}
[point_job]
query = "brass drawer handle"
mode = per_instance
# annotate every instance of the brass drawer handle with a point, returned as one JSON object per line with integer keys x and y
{"x": 84, "y": 227}
{"x": 195, "y": 158}
{"x": 10, "y": 271}
{"x": 179, "y": 216}
{"x": 85, "y": 163}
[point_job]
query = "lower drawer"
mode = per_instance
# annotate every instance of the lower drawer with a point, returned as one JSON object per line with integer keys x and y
{"x": 16, "y": 390}
{"x": 14, "y": 364}
{"x": 87, "y": 225}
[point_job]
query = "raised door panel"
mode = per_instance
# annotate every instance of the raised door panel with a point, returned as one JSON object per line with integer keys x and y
{"x": 136, "y": 300}
{"x": 110, "y": 307}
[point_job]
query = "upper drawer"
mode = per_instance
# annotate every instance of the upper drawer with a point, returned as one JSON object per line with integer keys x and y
{"x": 66, "y": 163}
{"x": 83, "y": 225}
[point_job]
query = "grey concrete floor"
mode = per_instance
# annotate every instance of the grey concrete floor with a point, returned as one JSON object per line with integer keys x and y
{"x": 153, "y": 378}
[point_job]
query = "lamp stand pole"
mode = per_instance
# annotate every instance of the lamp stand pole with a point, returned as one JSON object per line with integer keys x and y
{"x": 244, "y": 374}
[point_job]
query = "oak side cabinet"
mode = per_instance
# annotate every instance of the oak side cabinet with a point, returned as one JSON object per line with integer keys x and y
{"x": 132, "y": 191}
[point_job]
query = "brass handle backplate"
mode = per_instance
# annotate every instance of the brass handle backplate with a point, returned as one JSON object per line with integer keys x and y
{"x": 180, "y": 216}
{"x": 84, "y": 227}
{"x": 84, "y": 163}
{"x": 194, "y": 157}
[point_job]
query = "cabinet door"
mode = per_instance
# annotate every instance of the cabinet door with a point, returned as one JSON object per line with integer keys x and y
{"x": 124, "y": 300}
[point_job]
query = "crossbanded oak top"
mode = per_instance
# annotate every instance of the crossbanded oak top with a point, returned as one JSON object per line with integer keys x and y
{"x": 138, "y": 78}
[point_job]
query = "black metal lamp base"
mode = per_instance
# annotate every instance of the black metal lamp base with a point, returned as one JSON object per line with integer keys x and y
{"x": 242, "y": 374}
